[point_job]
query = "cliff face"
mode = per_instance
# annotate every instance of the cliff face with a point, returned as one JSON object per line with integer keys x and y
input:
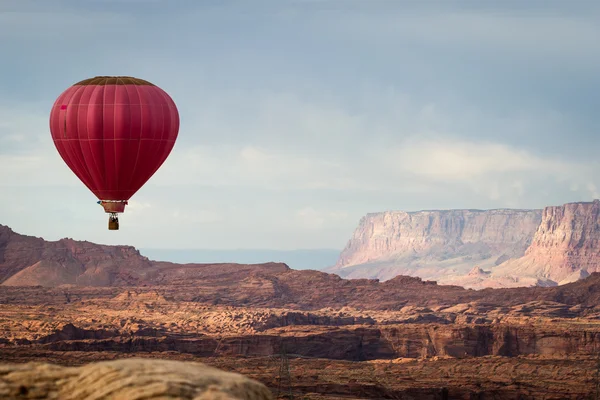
{"x": 565, "y": 248}
{"x": 568, "y": 239}
{"x": 477, "y": 249}
{"x": 435, "y": 244}
{"x": 470, "y": 248}
{"x": 361, "y": 343}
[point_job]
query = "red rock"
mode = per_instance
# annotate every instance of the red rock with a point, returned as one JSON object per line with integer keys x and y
{"x": 30, "y": 261}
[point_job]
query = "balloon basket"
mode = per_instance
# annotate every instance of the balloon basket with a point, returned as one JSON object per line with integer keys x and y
{"x": 113, "y": 207}
{"x": 113, "y": 222}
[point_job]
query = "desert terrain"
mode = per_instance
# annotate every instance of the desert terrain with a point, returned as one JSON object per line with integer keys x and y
{"x": 299, "y": 199}
{"x": 304, "y": 334}
{"x": 510, "y": 346}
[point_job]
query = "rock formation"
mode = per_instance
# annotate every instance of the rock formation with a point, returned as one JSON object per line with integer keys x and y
{"x": 306, "y": 333}
{"x": 403, "y": 338}
{"x": 469, "y": 248}
{"x": 435, "y": 244}
{"x": 477, "y": 249}
{"x": 129, "y": 379}
{"x": 565, "y": 248}
{"x": 31, "y": 261}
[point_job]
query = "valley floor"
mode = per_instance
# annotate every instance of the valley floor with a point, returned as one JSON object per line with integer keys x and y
{"x": 531, "y": 377}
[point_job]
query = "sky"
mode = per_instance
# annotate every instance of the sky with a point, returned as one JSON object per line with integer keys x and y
{"x": 298, "y": 117}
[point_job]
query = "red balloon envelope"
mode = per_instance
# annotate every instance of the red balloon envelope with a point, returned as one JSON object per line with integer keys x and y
{"x": 114, "y": 133}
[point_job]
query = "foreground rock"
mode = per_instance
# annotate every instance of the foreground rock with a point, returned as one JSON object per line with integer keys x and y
{"x": 129, "y": 379}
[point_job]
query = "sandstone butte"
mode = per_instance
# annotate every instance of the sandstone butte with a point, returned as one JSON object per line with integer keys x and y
{"x": 306, "y": 334}
{"x": 477, "y": 248}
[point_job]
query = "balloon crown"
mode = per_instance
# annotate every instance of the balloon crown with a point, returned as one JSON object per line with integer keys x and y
{"x": 114, "y": 80}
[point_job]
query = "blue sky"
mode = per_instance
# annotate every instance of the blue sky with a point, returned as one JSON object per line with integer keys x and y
{"x": 299, "y": 117}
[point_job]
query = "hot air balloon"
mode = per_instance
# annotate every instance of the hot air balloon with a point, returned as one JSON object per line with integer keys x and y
{"x": 114, "y": 133}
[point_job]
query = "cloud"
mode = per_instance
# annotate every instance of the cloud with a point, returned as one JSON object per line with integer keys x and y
{"x": 290, "y": 143}
{"x": 500, "y": 171}
{"x": 22, "y": 128}
{"x": 295, "y": 124}
{"x": 27, "y": 150}
{"x": 249, "y": 166}
{"x": 593, "y": 190}
{"x": 460, "y": 160}
{"x": 35, "y": 169}
{"x": 311, "y": 219}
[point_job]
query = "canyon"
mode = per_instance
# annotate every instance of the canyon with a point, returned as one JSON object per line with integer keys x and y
{"x": 477, "y": 248}
{"x": 426, "y": 341}
{"x": 307, "y": 333}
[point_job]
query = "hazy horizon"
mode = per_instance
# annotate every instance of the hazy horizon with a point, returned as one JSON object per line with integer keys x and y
{"x": 318, "y": 259}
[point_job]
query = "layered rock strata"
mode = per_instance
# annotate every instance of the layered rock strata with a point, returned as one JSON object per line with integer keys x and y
{"x": 435, "y": 244}
{"x": 478, "y": 249}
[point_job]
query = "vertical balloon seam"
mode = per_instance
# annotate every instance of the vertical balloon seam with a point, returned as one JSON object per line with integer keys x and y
{"x": 82, "y": 158}
{"x": 115, "y": 171}
{"x": 103, "y": 119}
{"x": 58, "y": 143}
{"x": 151, "y": 143}
{"x": 102, "y": 146}
{"x": 65, "y": 124}
{"x": 161, "y": 153}
{"x": 102, "y": 154}
{"x": 137, "y": 155}
{"x": 124, "y": 143}
{"x": 93, "y": 147}
{"x": 75, "y": 119}
{"x": 93, "y": 166}
{"x": 175, "y": 122}
{"x": 157, "y": 139}
{"x": 109, "y": 171}
{"x": 65, "y": 97}
{"x": 143, "y": 152}
{"x": 130, "y": 142}
{"x": 62, "y": 143}
{"x": 172, "y": 128}
{"x": 76, "y": 159}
